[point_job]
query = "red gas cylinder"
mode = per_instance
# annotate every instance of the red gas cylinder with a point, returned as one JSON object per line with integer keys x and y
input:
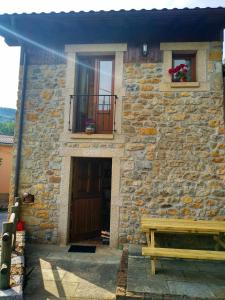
{"x": 20, "y": 226}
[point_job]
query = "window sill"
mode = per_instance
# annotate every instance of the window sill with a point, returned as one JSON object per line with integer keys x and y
{"x": 184, "y": 84}
{"x": 94, "y": 136}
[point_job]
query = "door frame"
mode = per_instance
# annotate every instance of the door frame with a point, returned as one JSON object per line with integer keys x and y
{"x": 65, "y": 192}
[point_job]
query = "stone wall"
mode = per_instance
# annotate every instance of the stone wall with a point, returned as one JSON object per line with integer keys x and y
{"x": 173, "y": 142}
{"x": 41, "y": 162}
{"x": 174, "y": 153}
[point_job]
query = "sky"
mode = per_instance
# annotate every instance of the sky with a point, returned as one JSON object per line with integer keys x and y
{"x": 9, "y": 56}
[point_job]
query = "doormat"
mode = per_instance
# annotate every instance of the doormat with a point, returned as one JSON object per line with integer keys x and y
{"x": 84, "y": 249}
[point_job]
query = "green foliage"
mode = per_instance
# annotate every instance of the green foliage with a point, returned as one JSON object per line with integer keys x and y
{"x": 7, "y": 128}
{"x": 7, "y": 120}
{"x": 7, "y": 114}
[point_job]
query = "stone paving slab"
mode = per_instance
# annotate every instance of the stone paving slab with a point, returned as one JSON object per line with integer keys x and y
{"x": 190, "y": 289}
{"x": 15, "y": 293}
{"x": 175, "y": 279}
{"x": 53, "y": 273}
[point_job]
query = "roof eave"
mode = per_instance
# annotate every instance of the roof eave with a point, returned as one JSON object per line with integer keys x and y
{"x": 115, "y": 26}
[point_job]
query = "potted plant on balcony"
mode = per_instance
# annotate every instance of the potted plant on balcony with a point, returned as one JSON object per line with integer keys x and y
{"x": 90, "y": 126}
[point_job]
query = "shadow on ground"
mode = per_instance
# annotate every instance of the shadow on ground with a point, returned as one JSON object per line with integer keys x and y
{"x": 53, "y": 273}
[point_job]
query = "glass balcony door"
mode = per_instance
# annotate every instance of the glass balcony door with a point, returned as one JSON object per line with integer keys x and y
{"x": 94, "y": 91}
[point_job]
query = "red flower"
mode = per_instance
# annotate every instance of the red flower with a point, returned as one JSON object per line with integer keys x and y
{"x": 180, "y": 68}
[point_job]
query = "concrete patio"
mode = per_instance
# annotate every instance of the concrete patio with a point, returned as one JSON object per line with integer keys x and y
{"x": 53, "y": 273}
{"x": 175, "y": 279}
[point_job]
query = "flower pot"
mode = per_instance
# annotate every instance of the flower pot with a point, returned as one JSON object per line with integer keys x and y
{"x": 90, "y": 128}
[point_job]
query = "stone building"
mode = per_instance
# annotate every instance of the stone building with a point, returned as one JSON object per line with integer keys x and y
{"x": 105, "y": 134}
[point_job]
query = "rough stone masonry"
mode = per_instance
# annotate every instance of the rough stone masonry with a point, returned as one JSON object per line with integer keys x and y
{"x": 173, "y": 163}
{"x": 174, "y": 152}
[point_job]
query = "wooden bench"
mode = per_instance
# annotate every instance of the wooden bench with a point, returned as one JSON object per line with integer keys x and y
{"x": 150, "y": 226}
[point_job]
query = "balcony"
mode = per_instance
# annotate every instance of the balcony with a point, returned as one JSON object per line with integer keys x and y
{"x": 92, "y": 114}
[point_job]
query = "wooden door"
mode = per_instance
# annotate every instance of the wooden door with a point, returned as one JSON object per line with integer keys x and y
{"x": 85, "y": 218}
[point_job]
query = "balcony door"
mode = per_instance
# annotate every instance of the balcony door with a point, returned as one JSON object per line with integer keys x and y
{"x": 94, "y": 93}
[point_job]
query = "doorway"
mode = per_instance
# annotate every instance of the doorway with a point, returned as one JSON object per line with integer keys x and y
{"x": 90, "y": 198}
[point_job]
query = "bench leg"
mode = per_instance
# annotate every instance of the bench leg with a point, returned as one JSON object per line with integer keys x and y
{"x": 148, "y": 239}
{"x": 220, "y": 242}
{"x": 152, "y": 245}
{"x": 153, "y": 263}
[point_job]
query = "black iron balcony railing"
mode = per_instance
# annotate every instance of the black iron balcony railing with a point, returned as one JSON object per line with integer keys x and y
{"x": 92, "y": 113}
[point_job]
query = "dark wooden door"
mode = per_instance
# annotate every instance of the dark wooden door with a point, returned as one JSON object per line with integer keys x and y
{"x": 85, "y": 218}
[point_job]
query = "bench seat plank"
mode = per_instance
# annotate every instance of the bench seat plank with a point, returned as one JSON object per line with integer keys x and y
{"x": 182, "y": 221}
{"x": 180, "y": 225}
{"x": 174, "y": 229}
{"x": 146, "y": 219}
{"x": 183, "y": 253}
{"x": 153, "y": 225}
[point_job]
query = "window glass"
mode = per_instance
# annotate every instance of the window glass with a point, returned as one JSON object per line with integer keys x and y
{"x": 93, "y": 106}
{"x": 105, "y": 84}
{"x": 186, "y": 62}
{"x": 105, "y": 80}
